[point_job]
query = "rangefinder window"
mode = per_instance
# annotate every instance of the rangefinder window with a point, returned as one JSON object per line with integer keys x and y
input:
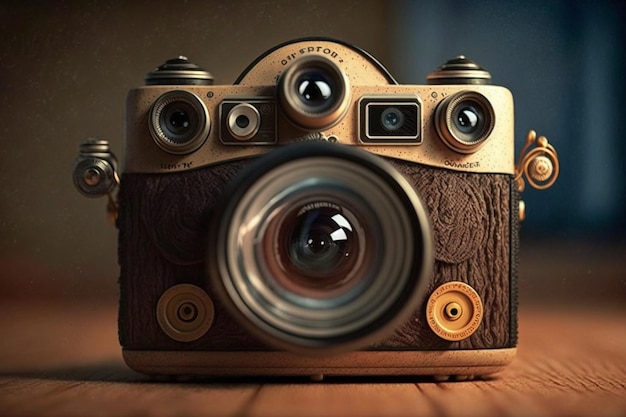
{"x": 390, "y": 120}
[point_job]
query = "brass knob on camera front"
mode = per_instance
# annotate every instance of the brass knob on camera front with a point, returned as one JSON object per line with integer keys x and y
{"x": 538, "y": 162}
{"x": 185, "y": 312}
{"x": 540, "y": 168}
{"x": 454, "y": 311}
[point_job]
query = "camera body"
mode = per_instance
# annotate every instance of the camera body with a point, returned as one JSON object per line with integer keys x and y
{"x": 317, "y": 218}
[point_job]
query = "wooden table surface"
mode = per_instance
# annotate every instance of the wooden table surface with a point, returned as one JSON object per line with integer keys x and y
{"x": 65, "y": 361}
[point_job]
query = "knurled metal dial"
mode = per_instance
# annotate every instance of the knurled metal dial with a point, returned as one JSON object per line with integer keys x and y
{"x": 454, "y": 311}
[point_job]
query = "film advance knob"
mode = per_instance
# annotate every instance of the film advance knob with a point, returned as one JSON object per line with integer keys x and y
{"x": 459, "y": 70}
{"x": 454, "y": 311}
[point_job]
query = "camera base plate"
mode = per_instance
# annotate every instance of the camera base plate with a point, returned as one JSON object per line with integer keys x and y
{"x": 443, "y": 365}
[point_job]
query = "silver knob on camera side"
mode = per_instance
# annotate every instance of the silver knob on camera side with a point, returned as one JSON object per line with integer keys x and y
{"x": 95, "y": 172}
{"x": 95, "y": 169}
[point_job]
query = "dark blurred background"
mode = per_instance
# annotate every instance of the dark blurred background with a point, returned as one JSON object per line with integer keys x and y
{"x": 66, "y": 66}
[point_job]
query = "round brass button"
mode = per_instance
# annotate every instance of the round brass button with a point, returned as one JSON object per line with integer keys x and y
{"x": 454, "y": 311}
{"x": 185, "y": 312}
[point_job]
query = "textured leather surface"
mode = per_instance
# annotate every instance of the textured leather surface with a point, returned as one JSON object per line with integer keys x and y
{"x": 470, "y": 216}
{"x": 163, "y": 225}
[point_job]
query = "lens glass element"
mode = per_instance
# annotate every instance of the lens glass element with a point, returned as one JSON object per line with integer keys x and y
{"x": 314, "y": 245}
{"x": 242, "y": 121}
{"x": 468, "y": 119}
{"x": 318, "y": 245}
{"x": 314, "y": 89}
{"x": 179, "y": 122}
{"x": 392, "y": 119}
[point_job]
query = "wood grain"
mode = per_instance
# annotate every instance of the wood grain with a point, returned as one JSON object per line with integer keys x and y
{"x": 65, "y": 361}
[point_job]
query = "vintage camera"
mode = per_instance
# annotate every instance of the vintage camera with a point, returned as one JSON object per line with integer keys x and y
{"x": 317, "y": 218}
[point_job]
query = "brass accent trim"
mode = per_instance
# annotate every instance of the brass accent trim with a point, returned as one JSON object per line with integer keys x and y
{"x": 454, "y": 311}
{"x": 540, "y": 165}
{"x": 522, "y": 211}
{"x": 274, "y": 363}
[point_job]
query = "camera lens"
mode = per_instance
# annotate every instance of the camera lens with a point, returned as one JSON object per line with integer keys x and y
{"x": 391, "y": 119}
{"x": 314, "y": 93}
{"x": 243, "y": 121}
{"x": 179, "y": 122}
{"x": 321, "y": 248}
{"x": 464, "y": 121}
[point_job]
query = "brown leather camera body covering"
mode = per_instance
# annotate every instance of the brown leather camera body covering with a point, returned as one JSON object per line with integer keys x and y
{"x": 163, "y": 227}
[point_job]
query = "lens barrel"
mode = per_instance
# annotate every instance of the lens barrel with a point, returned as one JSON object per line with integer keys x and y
{"x": 464, "y": 121}
{"x": 320, "y": 248}
{"x": 179, "y": 122}
{"x": 314, "y": 93}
